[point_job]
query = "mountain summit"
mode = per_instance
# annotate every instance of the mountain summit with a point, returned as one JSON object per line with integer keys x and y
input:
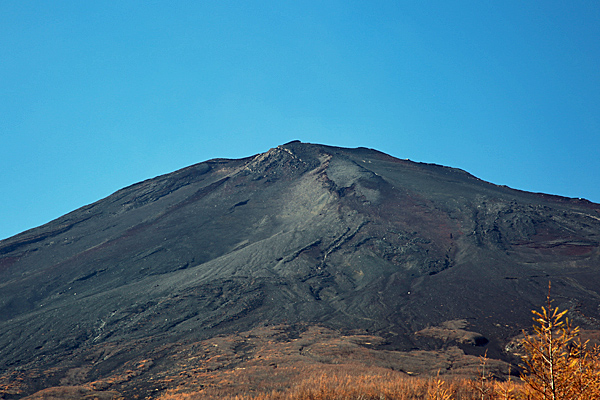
{"x": 304, "y": 237}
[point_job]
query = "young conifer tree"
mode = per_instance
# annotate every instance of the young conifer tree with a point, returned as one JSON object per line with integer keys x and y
{"x": 437, "y": 391}
{"x": 557, "y": 365}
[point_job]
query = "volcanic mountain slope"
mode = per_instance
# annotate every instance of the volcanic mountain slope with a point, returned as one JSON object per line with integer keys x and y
{"x": 352, "y": 240}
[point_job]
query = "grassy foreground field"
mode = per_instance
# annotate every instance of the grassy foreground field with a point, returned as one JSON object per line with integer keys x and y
{"x": 342, "y": 384}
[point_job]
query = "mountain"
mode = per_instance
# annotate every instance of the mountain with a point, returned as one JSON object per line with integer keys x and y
{"x": 305, "y": 243}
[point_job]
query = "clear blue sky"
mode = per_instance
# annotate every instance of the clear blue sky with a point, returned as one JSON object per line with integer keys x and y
{"x": 97, "y": 95}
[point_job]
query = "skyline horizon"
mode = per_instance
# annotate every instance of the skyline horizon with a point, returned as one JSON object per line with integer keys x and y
{"x": 287, "y": 142}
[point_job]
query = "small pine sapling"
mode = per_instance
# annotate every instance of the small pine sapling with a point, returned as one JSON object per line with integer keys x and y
{"x": 556, "y": 364}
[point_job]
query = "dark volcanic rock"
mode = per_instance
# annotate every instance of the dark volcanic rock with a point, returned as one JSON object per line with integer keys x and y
{"x": 344, "y": 238}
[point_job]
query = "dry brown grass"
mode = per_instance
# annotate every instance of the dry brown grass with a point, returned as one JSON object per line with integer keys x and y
{"x": 376, "y": 385}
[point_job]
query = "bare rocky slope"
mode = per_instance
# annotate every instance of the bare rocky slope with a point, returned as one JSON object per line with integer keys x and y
{"x": 422, "y": 257}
